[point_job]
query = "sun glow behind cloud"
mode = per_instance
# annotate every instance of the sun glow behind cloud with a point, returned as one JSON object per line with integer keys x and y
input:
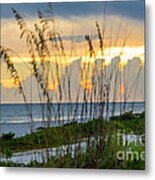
{"x": 126, "y": 54}
{"x": 77, "y": 27}
{"x": 10, "y": 83}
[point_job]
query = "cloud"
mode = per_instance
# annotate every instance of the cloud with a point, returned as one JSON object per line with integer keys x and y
{"x": 130, "y": 9}
{"x": 130, "y": 81}
{"x": 75, "y": 29}
{"x": 9, "y": 83}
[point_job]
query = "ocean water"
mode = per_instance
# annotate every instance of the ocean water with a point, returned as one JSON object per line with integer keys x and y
{"x": 16, "y": 117}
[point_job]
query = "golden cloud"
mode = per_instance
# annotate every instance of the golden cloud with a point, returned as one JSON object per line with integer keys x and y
{"x": 78, "y": 26}
{"x": 8, "y": 83}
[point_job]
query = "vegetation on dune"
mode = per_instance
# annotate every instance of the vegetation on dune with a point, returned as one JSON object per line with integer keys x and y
{"x": 100, "y": 155}
{"x": 71, "y": 133}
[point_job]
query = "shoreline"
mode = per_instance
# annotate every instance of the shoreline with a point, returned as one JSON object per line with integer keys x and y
{"x": 36, "y": 148}
{"x": 129, "y": 122}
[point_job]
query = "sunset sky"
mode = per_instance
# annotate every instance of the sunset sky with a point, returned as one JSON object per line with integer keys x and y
{"x": 124, "y": 19}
